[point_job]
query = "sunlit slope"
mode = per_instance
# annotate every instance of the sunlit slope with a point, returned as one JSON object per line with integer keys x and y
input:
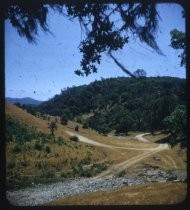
{"x": 25, "y": 117}
{"x": 147, "y": 194}
{"x": 30, "y": 120}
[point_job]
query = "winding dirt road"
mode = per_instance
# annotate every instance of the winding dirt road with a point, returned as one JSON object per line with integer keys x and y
{"x": 116, "y": 168}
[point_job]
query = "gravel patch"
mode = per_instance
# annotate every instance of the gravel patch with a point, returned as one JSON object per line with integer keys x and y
{"x": 41, "y": 194}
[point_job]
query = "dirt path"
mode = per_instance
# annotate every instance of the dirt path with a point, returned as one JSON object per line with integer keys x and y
{"x": 95, "y": 143}
{"x": 116, "y": 168}
{"x": 140, "y": 137}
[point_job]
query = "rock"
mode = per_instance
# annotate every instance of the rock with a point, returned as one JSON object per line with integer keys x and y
{"x": 156, "y": 158}
{"x": 172, "y": 177}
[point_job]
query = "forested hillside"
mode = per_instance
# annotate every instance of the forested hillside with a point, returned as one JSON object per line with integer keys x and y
{"x": 119, "y": 104}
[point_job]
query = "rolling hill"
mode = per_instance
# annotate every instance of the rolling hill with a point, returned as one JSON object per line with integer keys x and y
{"x": 26, "y": 101}
{"x": 119, "y": 104}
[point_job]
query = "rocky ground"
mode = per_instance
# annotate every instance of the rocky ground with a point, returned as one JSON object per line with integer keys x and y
{"x": 41, "y": 194}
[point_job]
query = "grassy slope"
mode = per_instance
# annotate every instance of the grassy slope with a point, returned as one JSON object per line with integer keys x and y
{"x": 31, "y": 163}
{"x": 157, "y": 193}
{"x": 63, "y": 158}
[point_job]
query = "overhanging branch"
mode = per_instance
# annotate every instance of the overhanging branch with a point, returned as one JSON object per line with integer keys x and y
{"x": 121, "y": 66}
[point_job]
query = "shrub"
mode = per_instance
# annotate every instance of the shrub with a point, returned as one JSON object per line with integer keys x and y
{"x": 64, "y": 175}
{"x": 48, "y": 149}
{"x": 74, "y": 138}
{"x": 98, "y": 167}
{"x": 76, "y": 128}
{"x": 38, "y": 146}
{"x": 85, "y": 125}
{"x": 17, "y": 148}
{"x": 121, "y": 174}
{"x": 49, "y": 174}
{"x": 60, "y": 141}
{"x": 11, "y": 165}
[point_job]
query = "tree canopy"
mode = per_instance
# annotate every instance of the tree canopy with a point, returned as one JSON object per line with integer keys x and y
{"x": 132, "y": 104}
{"x": 178, "y": 43}
{"x": 107, "y": 26}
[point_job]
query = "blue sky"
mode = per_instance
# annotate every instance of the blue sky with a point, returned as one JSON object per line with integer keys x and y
{"x": 40, "y": 71}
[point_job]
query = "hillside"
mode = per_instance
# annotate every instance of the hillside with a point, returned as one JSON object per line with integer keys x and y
{"x": 33, "y": 158}
{"x": 119, "y": 104}
{"x": 26, "y": 101}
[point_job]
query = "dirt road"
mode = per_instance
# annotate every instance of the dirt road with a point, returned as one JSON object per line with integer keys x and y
{"x": 116, "y": 168}
{"x": 141, "y": 138}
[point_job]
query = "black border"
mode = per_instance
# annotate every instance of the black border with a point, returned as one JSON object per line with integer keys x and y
{"x": 184, "y": 205}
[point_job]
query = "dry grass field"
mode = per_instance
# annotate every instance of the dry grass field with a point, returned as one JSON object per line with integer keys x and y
{"x": 67, "y": 159}
{"x": 147, "y": 194}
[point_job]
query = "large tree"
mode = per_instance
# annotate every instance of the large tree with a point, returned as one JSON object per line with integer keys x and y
{"x": 178, "y": 43}
{"x": 107, "y": 27}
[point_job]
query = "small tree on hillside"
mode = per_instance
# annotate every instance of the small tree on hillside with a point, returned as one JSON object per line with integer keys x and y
{"x": 139, "y": 73}
{"x": 64, "y": 120}
{"x": 76, "y": 128}
{"x": 176, "y": 125}
{"x": 52, "y": 126}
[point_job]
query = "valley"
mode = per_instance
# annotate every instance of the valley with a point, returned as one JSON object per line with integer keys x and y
{"x": 93, "y": 163}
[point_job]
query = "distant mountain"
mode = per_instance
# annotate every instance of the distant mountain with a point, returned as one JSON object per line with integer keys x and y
{"x": 25, "y": 101}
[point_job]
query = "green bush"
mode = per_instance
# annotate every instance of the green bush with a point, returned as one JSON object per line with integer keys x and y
{"x": 48, "y": 149}
{"x": 11, "y": 165}
{"x": 60, "y": 141}
{"x": 74, "y": 138}
{"x": 121, "y": 174}
{"x": 38, "y": 146}
{"x": 17, "y": 148}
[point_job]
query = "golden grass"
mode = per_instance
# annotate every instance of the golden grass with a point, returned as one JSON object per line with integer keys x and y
{"x": 147, "y": 194}
{"x": 158, "y": 135}
{"x": 129, "y": 141}
{"x": 172, "y": 159}
{"x": 63, "y": 157}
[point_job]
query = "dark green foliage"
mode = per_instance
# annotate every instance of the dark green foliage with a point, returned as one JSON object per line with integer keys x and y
{"x": 48, "y": 149}
{"x": 74, "y": 138}
{"x": 140, "y": 73}
{"x": 85, "y": 125}
{"x": 17, "y": 131}
{"x": 52, "y": 126}
{"x": 121, "y": 174}
{"x": 76, "y": 128}
{"x": 102, "y": 33}
{"x": 176, "y": 125}
{"x": 83, "y": 171}
{"x": 120, "y": 104}
{"x": 17, "y": 148}
{"x": 60, "y": 141}
{"x": 178, "y": 43}
{"x": 64, "y": 119}
{"x": 38, "y": 146}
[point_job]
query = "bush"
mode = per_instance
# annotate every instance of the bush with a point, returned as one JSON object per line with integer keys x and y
{"x": 74, "y": 138}
{"x": 60, "y": 141}
{"x": 11, "y": 165}
{"x": 76, "y": 128}
{"x": 38, "y": 146}
{"x": 121, "y": 174}
{"x": 85, "y": 125}
{"x": 17, "y": 148}
{"x": 48, "y": 149}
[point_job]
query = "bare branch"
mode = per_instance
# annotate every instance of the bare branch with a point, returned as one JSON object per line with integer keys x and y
{"x": 121, "y": 66}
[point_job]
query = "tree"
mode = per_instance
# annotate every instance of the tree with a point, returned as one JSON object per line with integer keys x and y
{"x": 139, "y": 73}
{"x": 102, "y": 33}
{"x": 76, "y": 128}
{"x": 178, "y": 43}
{"x": 176, "y": 125}
{"x": 52, "y": 126}
{"x": 64, "y": 120}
